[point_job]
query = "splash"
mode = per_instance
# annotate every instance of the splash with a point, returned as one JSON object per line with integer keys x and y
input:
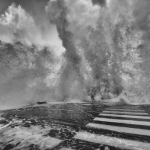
{"x": 18, "y": 25}
{"x": 65, "y": 15}
{"x": 75, "y": 46}
{"x": 31, "y": 58}
{"x": 103, "y": 34}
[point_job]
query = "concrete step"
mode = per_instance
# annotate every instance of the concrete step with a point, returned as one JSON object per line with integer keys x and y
{"x": 126, "y": 116}
{"x": 112, "y": 141}
{"x": 127, "y": 130}
{"x": 127, "y": 106}
{"x": 133, "y": 122}
{"x": 128, "y": 110}
{"x": 127, "y": 113}
{"x": 64, "y": 148}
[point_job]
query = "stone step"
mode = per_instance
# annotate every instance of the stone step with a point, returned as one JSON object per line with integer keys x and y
{"x": 112, "y": 141}
{"x": 126, "y": 116}
{"x": 127, "y": 130}
{"x": 64, "y": 148}
{"x": 127, "y": 113}
{"x": 143, "y": 123}
{"x": 127, "y": 106}
{"x": 128, "y": 110}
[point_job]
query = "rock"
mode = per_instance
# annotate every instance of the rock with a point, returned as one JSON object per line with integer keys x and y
{"x": 39, "y": 103}
{"x": 8, "y": 147}
{"x": 26, "y": 125}
{"x": 53, "y": 132}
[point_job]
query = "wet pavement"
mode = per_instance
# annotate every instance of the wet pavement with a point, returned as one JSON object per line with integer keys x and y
{"x": 55, "y": 126}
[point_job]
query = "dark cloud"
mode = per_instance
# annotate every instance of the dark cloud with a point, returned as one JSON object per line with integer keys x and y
{"x": 99, "y": 2}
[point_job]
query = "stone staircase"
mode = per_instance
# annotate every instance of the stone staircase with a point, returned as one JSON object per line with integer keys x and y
{"x": 118, "y": 127}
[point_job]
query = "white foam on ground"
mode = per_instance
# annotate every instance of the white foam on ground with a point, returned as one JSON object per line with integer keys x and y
{"x": 126, "y": 116}
{"x": 130, "y": 113}
{"x": 4, "y": 126}
{"x": 144, "y": 123}
{"x": 112, "y": 141}
{"x": 28, "y": 136}
{"x": 119, "y": 129}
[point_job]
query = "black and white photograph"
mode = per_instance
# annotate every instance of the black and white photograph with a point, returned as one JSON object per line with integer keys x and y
{"x": 74, "y": 74}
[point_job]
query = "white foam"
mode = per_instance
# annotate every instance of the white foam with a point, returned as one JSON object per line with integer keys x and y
{"x": 31, "y": 135}
{"x": 5, "y": 126}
